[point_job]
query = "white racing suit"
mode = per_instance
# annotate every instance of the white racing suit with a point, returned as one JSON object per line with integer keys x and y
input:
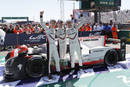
{"x": 74, "y": 44}
{"x": 2, "y": 37}
{"x": 53, "y": 53}
{"x": 61, "y": 33}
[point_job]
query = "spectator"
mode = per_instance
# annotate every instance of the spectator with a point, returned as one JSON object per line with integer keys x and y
{"x": 31, "y": 28}
{"x": 10, "y": 29}
{"x": 17, "y": 30}
{"x": 37, "y": 29}
{"x": 107, "y": 30}
{"x": 100, "y": 27}
{"x": 28, "y": 30}
{"x": 88, "y": 27}
{"x": 95, "y": 28}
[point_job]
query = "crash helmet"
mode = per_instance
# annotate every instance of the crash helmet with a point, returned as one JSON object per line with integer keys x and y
{"x": 22, "y": 50}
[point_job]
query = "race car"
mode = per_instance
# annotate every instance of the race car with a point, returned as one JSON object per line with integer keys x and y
{"x": 35, "y": 63}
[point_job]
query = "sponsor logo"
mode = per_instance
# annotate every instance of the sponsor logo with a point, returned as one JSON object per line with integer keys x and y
{"x": 20, "y": 66}
{"x": 93, "y": 38}
{"x": 90, "y": 39}
{"x": 37, "y": 37}
{"x": 98, "y": 50}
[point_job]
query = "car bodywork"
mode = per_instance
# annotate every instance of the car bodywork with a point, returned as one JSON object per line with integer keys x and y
{"x": 35, "y": 65}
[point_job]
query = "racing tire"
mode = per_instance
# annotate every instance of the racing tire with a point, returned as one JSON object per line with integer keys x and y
{"x": 15, "y": 68}
{"x": 111, "y": 58}
{"x": 35, "y": 67}
{"x": 9, "y": 76}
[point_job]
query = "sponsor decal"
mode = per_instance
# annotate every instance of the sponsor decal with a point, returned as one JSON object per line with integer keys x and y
{"x": 20, "y": 66}
{"x": 90, "y": 39}
{"x": 98, "y": 50}
{"x": 35, "y": 38}
{"x": 93, "y": 38}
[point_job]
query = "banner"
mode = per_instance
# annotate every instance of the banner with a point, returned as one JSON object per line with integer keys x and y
{"x": 13, "y": 39}
{"x": 38, "y": 38}
{"x": 31, "y": 39}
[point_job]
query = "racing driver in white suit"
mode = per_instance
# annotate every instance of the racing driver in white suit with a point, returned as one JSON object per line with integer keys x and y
{"x": 72, "y": 34}
{"x": 61, "y": 34}
{"x": 50, "y": 33}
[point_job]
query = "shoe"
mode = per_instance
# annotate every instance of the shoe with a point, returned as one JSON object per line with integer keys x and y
{"x": 60, "y": 74}
{"x": 73, "y": 72}
{"x": 81, "y": 71}
{"x": 50, "y": 76}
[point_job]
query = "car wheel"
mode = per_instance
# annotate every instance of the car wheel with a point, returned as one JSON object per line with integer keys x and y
{"x": 35, "y": 67}
{"x": 15, "y": 68}
{"x": 111, "y": 57}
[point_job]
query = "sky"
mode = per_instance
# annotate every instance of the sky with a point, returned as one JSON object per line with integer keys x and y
{"x": 32, "y": 8}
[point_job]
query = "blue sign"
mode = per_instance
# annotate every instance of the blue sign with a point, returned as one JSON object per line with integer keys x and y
{"x": 32, "y": 39}
{"x": 13, "y": 39}
{"x": 39, "y": 38}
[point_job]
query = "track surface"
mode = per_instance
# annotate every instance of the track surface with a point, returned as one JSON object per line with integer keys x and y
{"x": 115, "y": 76}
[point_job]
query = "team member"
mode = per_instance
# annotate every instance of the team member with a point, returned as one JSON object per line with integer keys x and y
{"x": 72, "y": 32}
{"x": 61, "y": 34}
{"x": 50, "y": 33}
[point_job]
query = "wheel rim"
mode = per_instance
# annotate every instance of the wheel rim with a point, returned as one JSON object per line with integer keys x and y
{"x": 111, "y": 58}
{"x": 35, "y": 68}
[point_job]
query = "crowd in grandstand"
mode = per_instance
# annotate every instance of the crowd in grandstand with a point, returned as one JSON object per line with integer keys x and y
{"x": 22, "y": 28}
{"x": 36, "y": 28}
{"x": 105, "y": 28}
